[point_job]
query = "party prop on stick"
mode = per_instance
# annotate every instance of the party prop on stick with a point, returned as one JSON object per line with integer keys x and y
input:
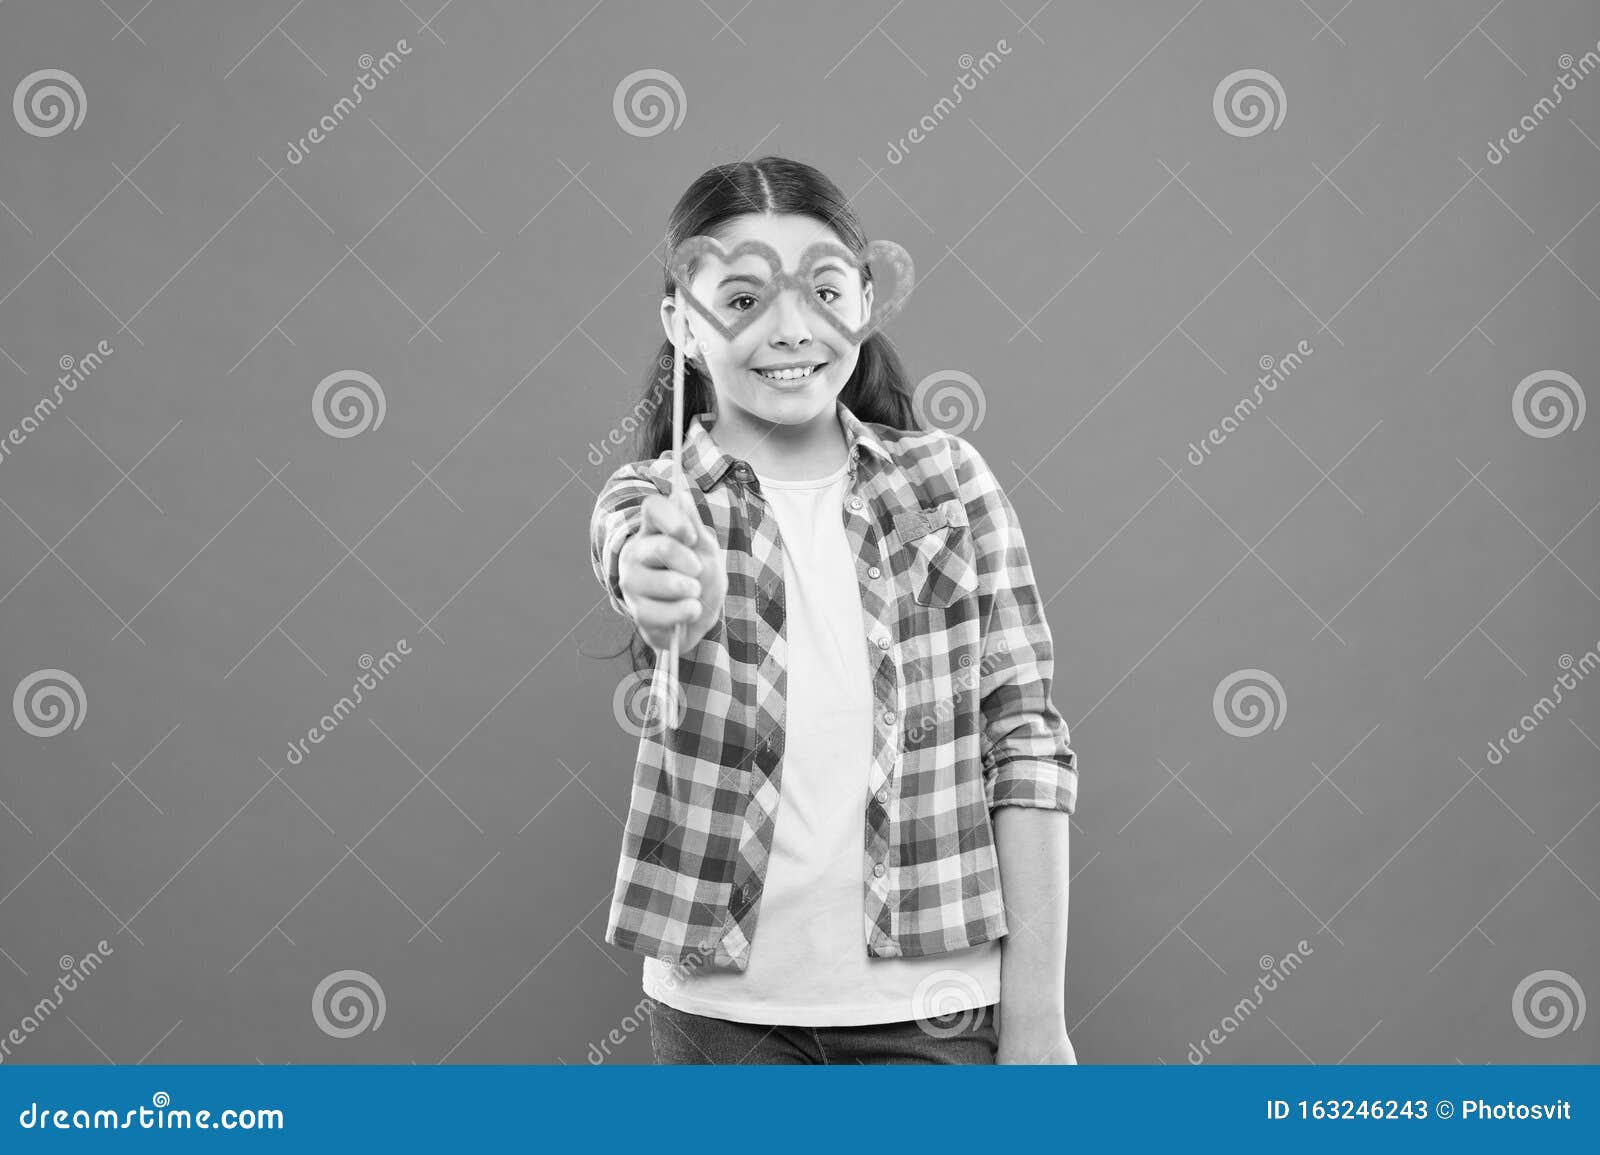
{"x": 667, "y": 688}
{"x": 885, "y": 307}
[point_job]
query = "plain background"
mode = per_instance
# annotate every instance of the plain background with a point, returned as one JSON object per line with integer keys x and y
{"x": 1104, "y": 262}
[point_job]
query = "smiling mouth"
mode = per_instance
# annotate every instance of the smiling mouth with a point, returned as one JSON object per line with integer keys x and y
{"x": 789, "y": 376}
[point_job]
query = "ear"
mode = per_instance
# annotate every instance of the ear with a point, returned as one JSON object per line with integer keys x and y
{"x": 670, "y": 324}
{"x": 668, "y": 321}
{"x": 866, "y": 302}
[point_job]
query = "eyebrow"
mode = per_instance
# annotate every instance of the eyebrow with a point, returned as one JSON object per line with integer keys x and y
{"x": 826, "y": 266}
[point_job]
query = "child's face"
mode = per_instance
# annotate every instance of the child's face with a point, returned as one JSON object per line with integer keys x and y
{"x": 787, "y": 333}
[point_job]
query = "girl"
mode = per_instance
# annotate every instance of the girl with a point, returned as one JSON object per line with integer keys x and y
{"x": 862, "y": 746}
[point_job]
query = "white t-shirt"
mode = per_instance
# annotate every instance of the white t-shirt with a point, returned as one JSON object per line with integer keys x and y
{"x": 808, "y": 957}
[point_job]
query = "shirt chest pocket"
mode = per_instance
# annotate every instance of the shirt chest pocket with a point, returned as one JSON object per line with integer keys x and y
{"x": 935, "y": 554}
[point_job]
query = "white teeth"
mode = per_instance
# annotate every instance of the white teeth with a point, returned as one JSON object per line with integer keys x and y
{"x": 787, "y": 374}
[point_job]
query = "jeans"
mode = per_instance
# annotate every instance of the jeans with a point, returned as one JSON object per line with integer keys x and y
{"x": 959, "y": 1037}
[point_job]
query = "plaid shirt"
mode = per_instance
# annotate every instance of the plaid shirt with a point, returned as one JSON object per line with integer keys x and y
{"x": 961, "y": 664}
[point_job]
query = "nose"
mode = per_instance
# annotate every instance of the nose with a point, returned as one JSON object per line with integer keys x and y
{"x": 791, "y": 328}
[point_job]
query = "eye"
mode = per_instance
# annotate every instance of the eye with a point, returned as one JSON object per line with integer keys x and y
{"x": 830, "y": 289}
{"x": 741, "y": 297}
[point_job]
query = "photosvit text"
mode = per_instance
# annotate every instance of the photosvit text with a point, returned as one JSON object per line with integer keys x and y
{"x": 1415, "y": 1109}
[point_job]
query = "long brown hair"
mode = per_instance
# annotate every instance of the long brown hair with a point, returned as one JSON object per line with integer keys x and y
{"x": 878, "y": 390}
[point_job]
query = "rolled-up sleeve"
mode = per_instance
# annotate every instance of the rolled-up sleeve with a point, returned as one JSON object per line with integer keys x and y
{"x": 1027, "y": 758}
{"x": 617, "y": 513}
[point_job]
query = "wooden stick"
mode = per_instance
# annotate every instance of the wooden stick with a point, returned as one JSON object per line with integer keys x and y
{"x": 680, "y": 490}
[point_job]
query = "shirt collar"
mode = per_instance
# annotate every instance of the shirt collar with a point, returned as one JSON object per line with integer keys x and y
{"x": 704, "y": 462}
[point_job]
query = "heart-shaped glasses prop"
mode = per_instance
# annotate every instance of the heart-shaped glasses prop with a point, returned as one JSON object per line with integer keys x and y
{"x": 695, "y": 249}
{"x": 666, "y": 690}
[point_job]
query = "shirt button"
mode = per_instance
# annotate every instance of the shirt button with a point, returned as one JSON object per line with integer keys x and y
{"x": 877, "y": 870}
{"x": 883, "y": 643}
{"x": 855, "y": 503}
{"x": 873, "y": 571}
{"x": 883, "y": 795}
{"x": 888, "y": 716}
